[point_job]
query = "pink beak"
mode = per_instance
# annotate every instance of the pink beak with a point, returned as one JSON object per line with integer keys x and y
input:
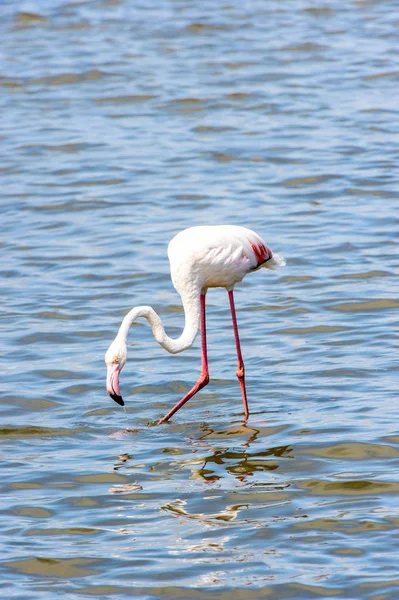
{"x": 113, "y": 383}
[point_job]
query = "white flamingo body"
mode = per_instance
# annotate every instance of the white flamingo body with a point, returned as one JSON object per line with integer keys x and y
{"x": 200, "y": 258}
{"x": 213, "y": 256}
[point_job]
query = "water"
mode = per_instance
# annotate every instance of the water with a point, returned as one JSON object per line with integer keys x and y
{"x": 123, "y": 123}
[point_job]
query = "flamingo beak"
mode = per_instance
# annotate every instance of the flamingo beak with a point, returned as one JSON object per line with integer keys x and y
{"x": 113, "y": 383}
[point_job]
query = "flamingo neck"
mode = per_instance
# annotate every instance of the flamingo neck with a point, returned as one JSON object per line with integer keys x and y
{"x": 191, "y": 305}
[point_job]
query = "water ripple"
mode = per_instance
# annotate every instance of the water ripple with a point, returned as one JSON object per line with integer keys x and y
{"x": 120, "y": 130}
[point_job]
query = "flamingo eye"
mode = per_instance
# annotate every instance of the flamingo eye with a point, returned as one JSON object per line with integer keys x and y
{"x": 116, "y": 360}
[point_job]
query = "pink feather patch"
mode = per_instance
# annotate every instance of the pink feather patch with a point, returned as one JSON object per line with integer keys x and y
{"x": 262, "y": 253}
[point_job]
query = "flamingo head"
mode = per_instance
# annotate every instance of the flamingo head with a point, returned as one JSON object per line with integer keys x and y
{"x": 115, "y": 359}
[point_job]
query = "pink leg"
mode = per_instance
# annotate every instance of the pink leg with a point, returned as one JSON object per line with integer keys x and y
{"x": 204, "y": 377}
{"x": 240, "y": 369}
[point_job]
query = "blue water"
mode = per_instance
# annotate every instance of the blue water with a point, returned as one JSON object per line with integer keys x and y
{"x": 121, "y": 124}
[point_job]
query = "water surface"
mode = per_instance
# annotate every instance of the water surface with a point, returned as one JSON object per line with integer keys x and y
{"x": 121, "y": 124}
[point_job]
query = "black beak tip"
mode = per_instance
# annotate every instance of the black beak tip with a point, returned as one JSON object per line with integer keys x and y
{"x": 117, "y": 399}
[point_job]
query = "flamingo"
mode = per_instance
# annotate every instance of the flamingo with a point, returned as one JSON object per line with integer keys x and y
{"x": 200, "y": 257}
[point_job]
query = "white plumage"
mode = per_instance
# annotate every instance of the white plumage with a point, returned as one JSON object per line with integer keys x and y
{"x": 215, "y": 255}
{"x": 200, "y": 258}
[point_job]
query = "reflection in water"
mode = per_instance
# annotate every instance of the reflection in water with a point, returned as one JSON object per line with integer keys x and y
{"x": 125, "y": 488}
{"x": 238, "y": 462}
{"x": 217, "y": 469}
{"x": 227, "y": 514}
{"x": 242, "y": 463}
{"x": 122, "y": 459}
{"x": 244, "y": 430}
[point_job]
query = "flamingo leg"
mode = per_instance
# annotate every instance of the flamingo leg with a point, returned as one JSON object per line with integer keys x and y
{"x": 240, "y": 369}
{"x": 203, "y": 379}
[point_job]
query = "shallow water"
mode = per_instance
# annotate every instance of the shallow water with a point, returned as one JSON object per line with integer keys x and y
{"x": 122, "y": 125}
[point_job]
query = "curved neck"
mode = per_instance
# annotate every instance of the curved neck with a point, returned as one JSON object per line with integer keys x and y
{"x": 191, "y": 305}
